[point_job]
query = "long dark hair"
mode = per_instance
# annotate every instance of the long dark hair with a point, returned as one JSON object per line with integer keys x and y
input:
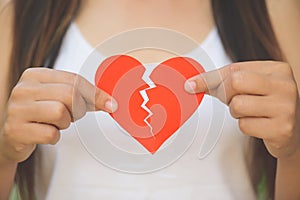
{"x": 244, "y": 27}
{"x": 39, "y": 27}
{"x": 247, "y": 34}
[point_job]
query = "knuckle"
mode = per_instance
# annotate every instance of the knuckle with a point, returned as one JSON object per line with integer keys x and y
{"x": 286, "y": 88}
{"x": 50, "y": 135}
{"x": 237, "y": 80}
{"x": 100, "y": 95}
{"x": 275, "y": 144}
{"x": 59, "y": 111}
{"x": 277, "y": 65}
{"x": 22, "y": 89}
{"x": 79, "y": 112}
{"x": 291, "y": 88}
{"x": 290, "y": 111}
{"x": 19, "y": 148}
{"x": 100, "y": 98}
{"x": 236, "y": 104}
{"x": 284, "y": 131}
{"x": 233, "y": 112}
{"x": 287, "y": 130}
{"x": 243, "y": 126}
{"x": 288, "y": 85}
{"x": 28, "y": 73}
{"x": 7, "y": 129}
{"x": 285, "y": 68}
{"x": 74, "y": 79}
{"x": 235, "y": 67}
{"x": 68, "y": 95}
{"x": 18, "y": 91}
{"x": 65, "y": 123}
{"x": 34, "y": 73}
{"x": 11, "y": 132}
{"x": 289, "y": 93}
{"x": 13, "y": 110}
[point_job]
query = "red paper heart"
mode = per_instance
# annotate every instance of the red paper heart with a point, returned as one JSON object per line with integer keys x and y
{"x": 121, "y": 77}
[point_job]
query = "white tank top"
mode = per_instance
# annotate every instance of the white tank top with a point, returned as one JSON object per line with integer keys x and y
{"x": 68, "y": 171}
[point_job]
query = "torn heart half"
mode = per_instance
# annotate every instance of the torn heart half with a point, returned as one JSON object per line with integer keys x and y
{"x": 150, "y": 108}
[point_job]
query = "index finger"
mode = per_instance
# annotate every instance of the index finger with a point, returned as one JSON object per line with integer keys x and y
{"x": 95, "y": 98}
{"x": 206, "y": 82}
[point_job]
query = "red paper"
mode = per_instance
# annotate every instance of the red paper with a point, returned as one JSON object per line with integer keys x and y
{"x": 121, "y": 77}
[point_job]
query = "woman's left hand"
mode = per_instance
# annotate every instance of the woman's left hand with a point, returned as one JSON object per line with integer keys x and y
{"x": 263, "y": 96}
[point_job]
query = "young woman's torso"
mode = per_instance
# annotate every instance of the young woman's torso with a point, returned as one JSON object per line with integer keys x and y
{"x": 95, "y": 28}
{"x": 99, "y": 20}
{"x": 76, "y": 174}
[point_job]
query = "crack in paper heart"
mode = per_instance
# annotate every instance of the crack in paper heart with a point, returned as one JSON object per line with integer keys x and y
{"x": 146, "y": 78}
{"x": 153, "y": 104}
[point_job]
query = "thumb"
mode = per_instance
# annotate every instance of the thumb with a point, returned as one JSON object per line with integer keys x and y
{"x": 196, "y": 84}
{"x": 208, "y": 81}
{"x": 105, "y": 102}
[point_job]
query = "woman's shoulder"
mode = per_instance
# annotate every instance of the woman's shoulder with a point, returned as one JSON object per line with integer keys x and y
{"x": 6, "y": 33}
{"x": 283, "y": 3}
{"x": 284, "y": 12}
{"x": 285, "y": 17}
{"x": 6, "y": 40}
{"x": 6, "y": 21}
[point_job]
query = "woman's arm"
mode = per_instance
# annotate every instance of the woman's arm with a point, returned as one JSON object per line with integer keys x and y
{"x": 7, "y": 174}
{"x": 46, "y": 97}
{"x": 7, "y": 169}
{"x": 6, "y": 22}
{"x": 264, "y": 97}
{"x": 285, "y": 16}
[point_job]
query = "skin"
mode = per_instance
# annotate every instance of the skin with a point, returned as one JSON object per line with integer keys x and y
{"x": 263, "y": 96}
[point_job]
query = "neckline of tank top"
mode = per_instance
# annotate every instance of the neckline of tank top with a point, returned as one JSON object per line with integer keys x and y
{"x": 89, "y": 47}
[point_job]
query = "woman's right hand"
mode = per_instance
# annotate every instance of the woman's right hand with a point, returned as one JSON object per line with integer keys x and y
{"x": 41, "y": 105}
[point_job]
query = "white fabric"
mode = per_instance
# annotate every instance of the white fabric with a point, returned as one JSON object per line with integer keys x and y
{"x": 74, "y": 174}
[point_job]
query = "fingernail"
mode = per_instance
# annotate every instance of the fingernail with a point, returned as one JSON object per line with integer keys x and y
{"x": 111, "y": 105}
{"x": 190, "y": 86}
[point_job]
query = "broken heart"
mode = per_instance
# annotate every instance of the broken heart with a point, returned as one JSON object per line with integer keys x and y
{"x": 152, "y": 111}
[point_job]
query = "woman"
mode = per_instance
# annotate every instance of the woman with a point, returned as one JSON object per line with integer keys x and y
{"x": 261, "y": 95}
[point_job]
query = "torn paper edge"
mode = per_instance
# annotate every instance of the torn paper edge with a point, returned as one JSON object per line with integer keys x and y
{"x": 151, "y": 84}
